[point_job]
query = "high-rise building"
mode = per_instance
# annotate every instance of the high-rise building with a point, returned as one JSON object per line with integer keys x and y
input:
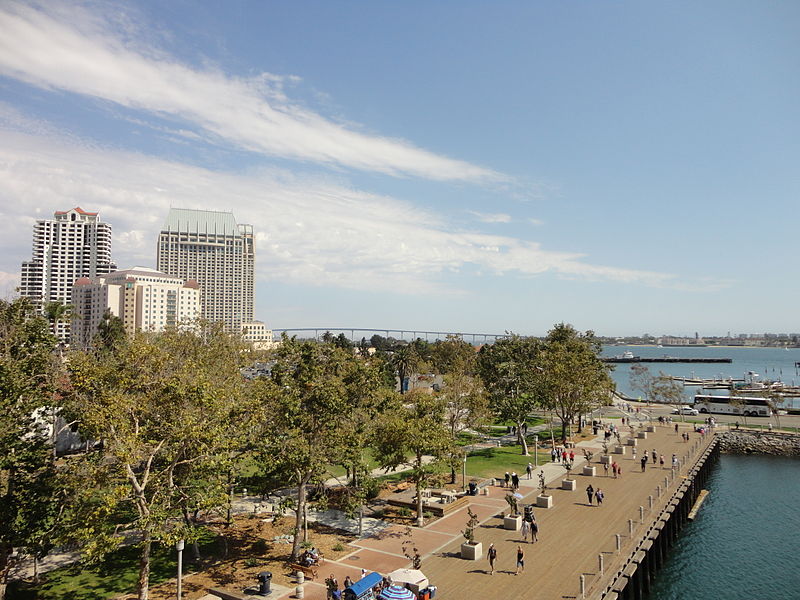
{"x": 212, "y": 249}
{"x": 143, "y": 298}
{"x": 73, "y": 244}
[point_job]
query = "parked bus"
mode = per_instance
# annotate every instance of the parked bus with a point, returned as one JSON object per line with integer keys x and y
{"x": 752, "y": 407}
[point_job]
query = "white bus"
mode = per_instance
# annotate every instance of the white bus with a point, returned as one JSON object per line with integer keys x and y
{"x": 752, "y": 407}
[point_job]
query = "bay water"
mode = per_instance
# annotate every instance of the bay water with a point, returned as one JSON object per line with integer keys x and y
{"x": 744, "y": 542}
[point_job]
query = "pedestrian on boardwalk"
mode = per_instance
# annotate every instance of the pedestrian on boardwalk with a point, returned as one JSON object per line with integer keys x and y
{"x": 614, "y": 468}
{"x": 524, "y": 530}
{"x": 491, "y": 554}
{"x": 514, "y": 481}
{"x": 619, "y": 470}
{"x": 520, "y": 560}
{"x": 674, "y": 461}
{"x": 534, "y": 530}
{"x": 529, "y": 470}
{"x": 558, "y": 454}
{"x": 676, "y": 429}
{"x": 599, "y": 495}
{"x": 572, "y": 456}
{"x": 590, "y": 493}
{"x": 644, "y": 463}
{"x": 605, "y": 468}
{"x": 332, "y": 585}
{"x": 655, "y": 456}
{"x": 508, "y": 478}
{"x": 662, "y": 461}
{"x": 553, "y": 454}
{"x": 348, "y": 583}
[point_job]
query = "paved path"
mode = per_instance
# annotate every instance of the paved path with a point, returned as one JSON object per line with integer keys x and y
{"x": 572, "y": 533}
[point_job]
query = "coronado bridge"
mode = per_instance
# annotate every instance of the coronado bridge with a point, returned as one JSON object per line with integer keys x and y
{"x": 367, "y": 332}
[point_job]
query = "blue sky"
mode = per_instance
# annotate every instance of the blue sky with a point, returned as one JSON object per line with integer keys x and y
{"x": 627, "y": 167}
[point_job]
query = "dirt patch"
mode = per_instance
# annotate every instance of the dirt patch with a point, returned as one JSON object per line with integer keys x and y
{"x": 252, "y": 548}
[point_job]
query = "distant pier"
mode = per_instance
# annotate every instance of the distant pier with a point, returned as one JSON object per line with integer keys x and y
{"x": 663, "y": 359}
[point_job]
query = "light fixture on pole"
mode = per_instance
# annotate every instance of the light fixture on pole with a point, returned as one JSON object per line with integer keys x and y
{"x": 179, "y": 547}
{"x": 535, "y": 448}
{"x": 464, "y": 473}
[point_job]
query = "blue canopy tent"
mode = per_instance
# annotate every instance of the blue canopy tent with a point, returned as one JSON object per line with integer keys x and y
{"x": 363, "y": 587}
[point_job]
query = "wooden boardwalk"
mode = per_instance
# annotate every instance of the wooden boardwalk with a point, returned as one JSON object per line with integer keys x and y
{"x": 572, "y": 534}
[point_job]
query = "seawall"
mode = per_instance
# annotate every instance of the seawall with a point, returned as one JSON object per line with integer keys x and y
{"x": 743, "y": 441}
{"x": 633, "y": 580}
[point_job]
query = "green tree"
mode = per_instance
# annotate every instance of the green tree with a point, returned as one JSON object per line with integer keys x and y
{"x": 665, "y": 390}
{"x": 162, "y": 404}
{"x": 110, "y": 331}
{"x": 28, "y": 374}
{"x": 512, "y": 375}
{"x": 642, "y": 381}
{"x": 416, "y": 429}
{"x": 405, "y": 361}
{"x": 452, "y": 355}
{"x": 576, "y": 381}
{"x": 56, "y": 312}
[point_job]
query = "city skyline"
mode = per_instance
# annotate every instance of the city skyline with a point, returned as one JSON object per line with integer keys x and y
{"x": 623, "y": 168}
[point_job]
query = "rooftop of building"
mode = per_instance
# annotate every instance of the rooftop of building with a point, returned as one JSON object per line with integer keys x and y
{"x": 201, "y": 221}
{"x": 78, "y": 210}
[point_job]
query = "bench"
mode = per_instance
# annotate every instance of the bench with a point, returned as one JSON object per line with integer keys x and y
{"x": 310, "y": 572}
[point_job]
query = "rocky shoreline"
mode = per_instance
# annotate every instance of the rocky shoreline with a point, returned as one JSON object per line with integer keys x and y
{"x": 759, "y": 442}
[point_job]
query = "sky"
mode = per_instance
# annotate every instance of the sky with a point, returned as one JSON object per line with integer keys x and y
{"x": 626, "y": 167}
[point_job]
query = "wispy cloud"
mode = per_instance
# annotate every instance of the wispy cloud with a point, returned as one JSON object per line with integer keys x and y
{"x": 491, "y": 217}
{"x": 310, "y": 230}
{"x": 81, "y": 53}
{"x": 536, "y": 222}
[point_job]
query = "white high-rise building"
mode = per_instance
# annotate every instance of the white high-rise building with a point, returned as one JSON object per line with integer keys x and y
{"x": 143, "y": 298}
{"x": 71, "y": 245}
{"x": 212, "y": 249}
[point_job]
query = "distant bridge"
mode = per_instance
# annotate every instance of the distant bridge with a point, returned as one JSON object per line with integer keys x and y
{"x": 368, "y": 332}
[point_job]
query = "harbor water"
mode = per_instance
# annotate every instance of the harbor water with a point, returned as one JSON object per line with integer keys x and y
{"x": 743, "y": 543}
{"x": 767, "y": 363}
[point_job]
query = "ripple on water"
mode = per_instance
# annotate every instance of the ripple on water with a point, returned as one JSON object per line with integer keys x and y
{"x": 745, "y": 542}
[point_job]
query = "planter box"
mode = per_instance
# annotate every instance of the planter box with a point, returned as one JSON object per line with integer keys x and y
{"x": 650, "y": 428}
{"x": 589, "y": 471}
{"x": 620, "y": 449}
{"x": 630, "y": 441}
{"x": 605, "y": 459}
{"x": 642, "y": 435}
{"x": 544, "y": 501}
{"x": 471, "y": 551}
{"x": 512, "y": 522}
{"x": 569, "y": 485}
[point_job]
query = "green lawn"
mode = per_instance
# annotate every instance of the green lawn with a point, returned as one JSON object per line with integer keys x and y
{"x": 114, "y": 576}
{"x": 494, "y": 462}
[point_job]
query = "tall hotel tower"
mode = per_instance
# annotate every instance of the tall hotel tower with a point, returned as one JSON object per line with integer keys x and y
{"x": 71, "y": 245}
{"x": 212, "y": 249}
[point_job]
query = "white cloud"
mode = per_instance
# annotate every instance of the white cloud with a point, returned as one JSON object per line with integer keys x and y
{"x": 67, "y": 48}
{"x": 536, "y": 222}
{"x": 491, "y": 217}
{"x": 310, "y": 230}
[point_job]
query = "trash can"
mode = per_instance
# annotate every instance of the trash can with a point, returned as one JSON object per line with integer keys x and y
{"x": 264, "y": 579}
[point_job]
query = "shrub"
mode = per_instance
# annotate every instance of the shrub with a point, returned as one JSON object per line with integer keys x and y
{"x": 338, "y": 547}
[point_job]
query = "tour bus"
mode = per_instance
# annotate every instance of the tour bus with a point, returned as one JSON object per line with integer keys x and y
{"x": 751, "y": 407}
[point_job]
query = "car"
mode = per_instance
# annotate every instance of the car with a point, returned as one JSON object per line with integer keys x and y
{"x": 685, "y": 410}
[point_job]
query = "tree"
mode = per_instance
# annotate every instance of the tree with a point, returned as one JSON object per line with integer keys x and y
{"x": 665, "y": 390}
{"x": 452, "y": 355}
{"x": 29, "y": 506}
{"x": 642, "y": 381}
{"x": 56, "y": 312}
{"x": 314, "y": 390}
{"x": 110, "y": 331}
{"x": 511, "y": 373}
{"x": 165, "y": 406}
{"x": 404, "y": 360}
{"x": 575, "y": 379}
{"x": 416, "y": 430}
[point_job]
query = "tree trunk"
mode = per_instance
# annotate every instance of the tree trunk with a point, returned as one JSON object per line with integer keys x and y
{"x": 522, "y": 441}
{"x": 144, "y": 567}
{"x": 298, "y": 526}
{"x": 418, "y": 480}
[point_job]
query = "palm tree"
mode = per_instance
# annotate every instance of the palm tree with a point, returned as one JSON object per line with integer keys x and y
{"x": 56, "y": 313}
{"x": 404, "y": 360}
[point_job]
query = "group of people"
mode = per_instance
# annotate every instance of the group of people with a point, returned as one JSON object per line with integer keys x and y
{"x": 512, "y": 480}
{"x": 335, "y": 593}
{"x": 309, "y": 558}
{"x": 562, "y": 455}
{"x": 491, "y": 555}
{"x": 595, "y": 494}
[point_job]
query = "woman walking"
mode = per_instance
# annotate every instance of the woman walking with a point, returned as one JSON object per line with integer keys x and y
{"x": 491, "y": 554}
{"x": 599, "y": 495}
{"x": 520, "y": 560}
{"x": 590, "y": 493}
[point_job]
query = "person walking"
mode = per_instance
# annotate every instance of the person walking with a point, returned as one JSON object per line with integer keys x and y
{"x": 644, "y": 463}
{"x": 572, "y": 456}
{"x": 655, "y": 456}
{"x": 599, "y": 495}
{"x": 605, "y": 467}
{"x": 614, "y": 468}
{"x": 534, "y": 530}
{"x": 662, "y": 461}
{"x": 676, "y": 429}
{"x": 529, "y": 470}
{"x": 590, "y": 493}
{"x": 553, "y": 454}
{"x": 491, "y": 554}
{"x": 674, "y": 461}
{"x": 508, "y": 478}
{"x": 514, "y": 481}
{"x": 332, "y": 585}
{"x": 524, "y": 530}
{"x": 520, "y": 561}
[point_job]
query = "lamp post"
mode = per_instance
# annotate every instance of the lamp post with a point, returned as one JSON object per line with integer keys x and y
{"x": 464, "y": 473}
{"x": 179, "y": 547}
{"x": 535, "y": 448}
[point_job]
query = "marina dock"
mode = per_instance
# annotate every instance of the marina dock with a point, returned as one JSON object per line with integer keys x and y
{"x": 663, "y": 359}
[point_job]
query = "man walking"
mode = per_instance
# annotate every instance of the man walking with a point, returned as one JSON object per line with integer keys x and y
{"x": 590, "y": 493}
{"x": 644, "y": 463}
{"x": 529, "y": 470}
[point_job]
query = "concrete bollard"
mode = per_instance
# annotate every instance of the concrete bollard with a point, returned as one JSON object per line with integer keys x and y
{"x": 650, "y": 502}
{"x": 583, "y": 586}
{"x": 641, "y": 514}
{"x": 630, "y": 527}
{"x": 299, "y": 592}
{"x": 658, "y": 491}
{"x": 600, "y": 562}
{"x": 300, "y": 577}
{"x": 618, "y": 541}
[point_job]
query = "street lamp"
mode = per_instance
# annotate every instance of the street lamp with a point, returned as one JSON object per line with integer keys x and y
{"x": 179, "y": 547}
{"x": 535, "y": 448}
{"x": 464, "y": 473}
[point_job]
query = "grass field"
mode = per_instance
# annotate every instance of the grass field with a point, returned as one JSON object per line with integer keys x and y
{"x": 494, "y": 462}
